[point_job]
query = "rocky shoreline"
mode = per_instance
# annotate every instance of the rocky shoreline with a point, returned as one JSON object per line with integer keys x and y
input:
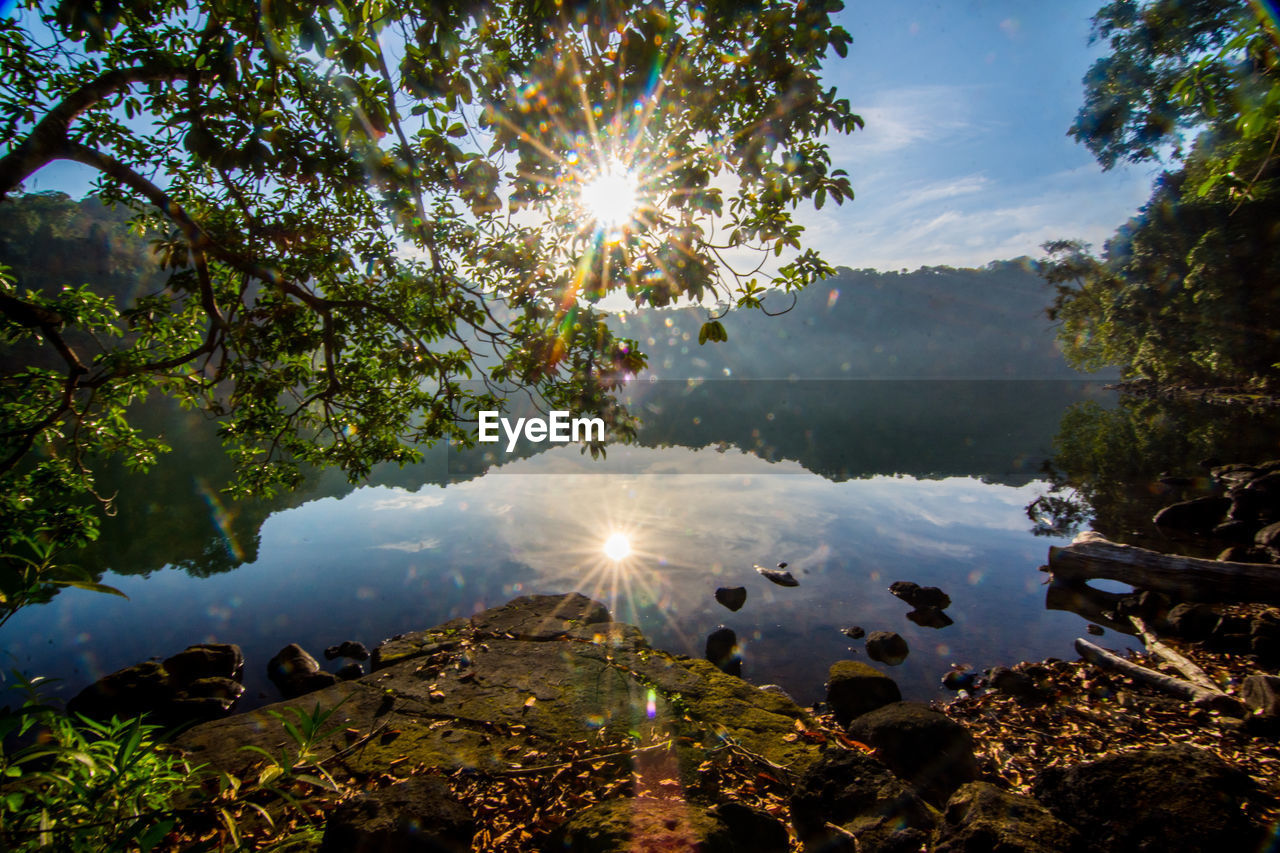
{"x": 545, "y": 725}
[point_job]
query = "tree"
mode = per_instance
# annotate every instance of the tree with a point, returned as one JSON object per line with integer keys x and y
{"x": 1185, "y": 292}
{"x": 361, "y": 206}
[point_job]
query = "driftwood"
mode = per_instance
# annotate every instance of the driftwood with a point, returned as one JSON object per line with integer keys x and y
{"x": 1189, "y": 670}
{"x": 1184, "y": 578}
{"x": 1174, "y": 686}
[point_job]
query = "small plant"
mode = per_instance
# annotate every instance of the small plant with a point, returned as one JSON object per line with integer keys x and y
{"x": 84, "y": 785}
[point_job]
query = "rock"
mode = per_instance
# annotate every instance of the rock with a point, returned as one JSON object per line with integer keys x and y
{"x": 776, "y": 689}
{"x": 1261, "y": 695}
{"x": 1234, "y": 531}
{"x": 347, "y": 649}
{"x": 350, "y": 672}
{"x": 643, "y": 824}
{"x": 1233, "y": 475}
{"x": 206, "y": 660}
{"x": 783, "y": 564}
{"x": 981, "y": 818}
{"x": 1173, "y": 799}
{"x": 1230, "y": 635}
{"x": 296, "y": 673}
{"x": 1096, "y": 630}
{"x": 722, "y": 650}
{"x": 778, "y": 576}
{"x": 928, "y": 749}
{"x": 857, "y": 793}
{"x": 1264, "y": 637}
{"x": 1198, "y": 515}
{"x": 929, "y": 617}
{"x": 752, "y": 830}
{"x": 732, "y": 597}
{"x": 854, "y": 632}
{"x": 959, "y": 678}
{"x": 203, "y": 684}
{"x": 1244, "y": 554}
{"x": 589, "y": 681}
{"x": 920, "y": 596}
{"x": 1192, "y": 622}
{"x": 854, "y": 688}
{"x": 418, "y": 815}
{"x": 1013, "y": 683}
{"x": 1269, "y": 536}
{"x": 887, "y": 647}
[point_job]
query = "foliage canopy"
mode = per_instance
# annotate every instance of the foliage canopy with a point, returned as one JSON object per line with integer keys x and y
{"x": 361, "y": 206}
{"x": 1185, "y": 292}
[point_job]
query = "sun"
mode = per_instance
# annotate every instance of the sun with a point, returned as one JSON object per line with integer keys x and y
{"x": 617, "y": 547}
{"x": 610, "y": 197}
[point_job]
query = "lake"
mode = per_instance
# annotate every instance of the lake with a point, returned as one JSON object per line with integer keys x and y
{"x": 855, "y": 484}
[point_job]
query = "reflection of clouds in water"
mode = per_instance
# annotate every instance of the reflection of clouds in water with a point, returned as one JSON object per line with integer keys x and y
{"x": 411, "y": 547}
{"x": 402, "y": 501}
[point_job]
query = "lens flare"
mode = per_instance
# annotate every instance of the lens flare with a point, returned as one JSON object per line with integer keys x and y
{"x": 617, "y": 547}
{"x": 610, "y": 197}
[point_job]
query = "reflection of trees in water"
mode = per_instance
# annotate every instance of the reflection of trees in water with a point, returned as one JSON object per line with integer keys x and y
{"x": 1117, "y": 466}
{"x": 998, "y": 432}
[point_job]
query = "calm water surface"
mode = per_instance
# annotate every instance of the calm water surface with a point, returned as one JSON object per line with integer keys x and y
{"x": 854, "y": 484}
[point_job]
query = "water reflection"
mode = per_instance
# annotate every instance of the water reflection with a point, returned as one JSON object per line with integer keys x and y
{"x": 926, "y": 482}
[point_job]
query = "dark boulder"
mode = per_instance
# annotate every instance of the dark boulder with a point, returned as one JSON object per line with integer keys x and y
{"x": 1261, "y": 695}
{"x": 203, "y": 684}
{"x": 732, "y": 597}
{"x": 350, "y": 672}
{"x": 752, "y": 830}
{"x": 1264, "y": 637}
{"x": 347, "y": 649}
{"x": 1016, "y": 684}
{"x": 1172, "y": 799}
{"x": 1198, "y": 515}
{"x": 722, "y": 650}
{"x": 206, "y": 660}
{"x": 981, "y": 818}
{"x": 1192, "y": 622}
{"x": 643, "y": 824}
{"x": 296, "y": 673}
{"x": 887, "y": 647}
{"x": 920, "y": 596}
{"x": 854, "y": 688}
{"x": 928, "y": 749}
{"x": 418, "y": 815}
{"x": 858, "y": 794}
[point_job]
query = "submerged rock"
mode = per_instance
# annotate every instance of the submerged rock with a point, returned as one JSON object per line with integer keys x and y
{"x": 854, "y": 688}
{"x": 1173, "y": 799}
{"x": 928, "y": 749}
{"x": 722, "y": 650}
{"x": 887, "y": 647}
{"x": 1199, "y": 515}
{"x": 778, "y": 576}
{"x": 920, "y": 597}
{"x": 347, "y": 649}
{"x": 732, "y": 597}
{"x": 854, "y": 632}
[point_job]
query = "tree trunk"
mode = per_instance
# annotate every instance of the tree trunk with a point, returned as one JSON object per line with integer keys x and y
{"x": 1183, "y": 578}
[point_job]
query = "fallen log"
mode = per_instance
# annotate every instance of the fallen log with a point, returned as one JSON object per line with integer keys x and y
{"x": 1092, "y": 556}
{"x": 1184, "y": 665}
{"x": 1213, "y": 699}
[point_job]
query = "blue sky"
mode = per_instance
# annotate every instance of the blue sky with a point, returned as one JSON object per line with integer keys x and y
{"x": 965, "y": 157}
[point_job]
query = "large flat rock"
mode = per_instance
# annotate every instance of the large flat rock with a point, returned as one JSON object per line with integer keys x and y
{"x": 537, "y": 673}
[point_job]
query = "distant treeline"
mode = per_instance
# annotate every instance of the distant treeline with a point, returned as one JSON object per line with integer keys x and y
{"x": 933, "y": 323}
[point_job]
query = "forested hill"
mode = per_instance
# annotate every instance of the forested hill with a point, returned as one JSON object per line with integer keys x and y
{"x": 933, "y": 323}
